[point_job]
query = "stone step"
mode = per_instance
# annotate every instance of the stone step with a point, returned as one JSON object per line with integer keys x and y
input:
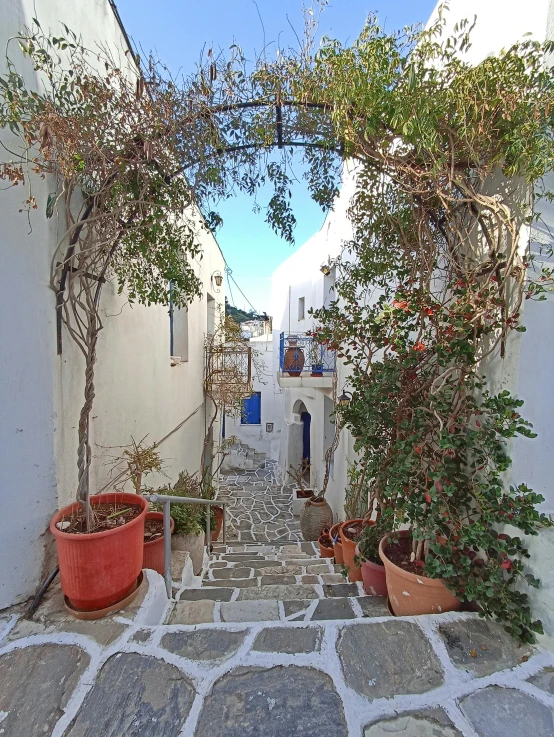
{"x": 202, "y": 611}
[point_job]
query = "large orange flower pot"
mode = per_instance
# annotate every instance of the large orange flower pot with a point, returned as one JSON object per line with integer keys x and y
{"x": 101, "y": 568}
{"x": 349, "y": 551}
{"x": 337, "y": 545}
{"x": 410, "y": 593}
{"x": 154, "y": 557}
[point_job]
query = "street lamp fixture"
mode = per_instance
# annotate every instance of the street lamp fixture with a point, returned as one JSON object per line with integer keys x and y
{"x": 217, "y": 277}
{"x": 325, "y": 269}
{"x": 344, "y": 399}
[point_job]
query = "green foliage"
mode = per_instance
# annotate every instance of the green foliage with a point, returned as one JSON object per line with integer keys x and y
{"x": 188, "y": 518}
{"x": 372, "y": 534}
{"x": 238, "y": 315}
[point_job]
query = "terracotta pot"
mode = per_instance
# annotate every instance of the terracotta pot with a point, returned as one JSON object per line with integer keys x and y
{"x": 316, "y": 515}
{"x": 337, "y": 546}
{"x": 349, "y": 551}
{"x": 193, "y": 544}
{"x": 324, "y": 551}
{"x": 410, "y": 593}
{"x": 373, "y": 577}
{"x": 154, "y": 549}
{"x": 218, "y": 513}
{"x": 100, "y": 569}
{"x": 293, "y": 360}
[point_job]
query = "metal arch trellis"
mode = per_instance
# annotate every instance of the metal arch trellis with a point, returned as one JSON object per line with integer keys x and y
{"x": 280, "y": 143}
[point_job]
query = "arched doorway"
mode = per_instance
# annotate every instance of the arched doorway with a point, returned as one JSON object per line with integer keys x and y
{"x": 299, "y": 439}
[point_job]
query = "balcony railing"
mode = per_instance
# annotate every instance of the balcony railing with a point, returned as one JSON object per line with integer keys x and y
{"x": 300, "y": 354}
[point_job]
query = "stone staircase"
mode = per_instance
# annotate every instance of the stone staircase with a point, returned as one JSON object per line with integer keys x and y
{"x": 243, "y": 457}
{"x": 257, "y": 582}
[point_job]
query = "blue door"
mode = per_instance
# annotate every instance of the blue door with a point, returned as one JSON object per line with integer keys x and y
{"x": 252, "y": 410}
{"x": 306, "y": 451}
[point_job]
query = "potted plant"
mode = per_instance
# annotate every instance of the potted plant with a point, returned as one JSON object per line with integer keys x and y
{"x": 100, "y": 558}
{"x": 367, "y": 554}
{"x": 294, "y": 359}
{"x": 325, "y": 544}
{"x": 410, "y": 591}
{"x": 140, "y": 460}
{"x": 188, "y": 519}
{"x": 316, "y": 355}
{"x": 350, "y": 532}
{"x": 337, "y": 544}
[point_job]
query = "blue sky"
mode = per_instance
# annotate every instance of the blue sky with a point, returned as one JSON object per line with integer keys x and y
{"x": 177, "y": 30}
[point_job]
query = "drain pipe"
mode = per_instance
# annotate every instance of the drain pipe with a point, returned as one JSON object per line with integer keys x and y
{"x": 43, "y": 589}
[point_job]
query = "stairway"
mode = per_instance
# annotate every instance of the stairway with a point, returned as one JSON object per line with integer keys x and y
{"x": 258, "y": 582}
{"x": 243, "y": 457}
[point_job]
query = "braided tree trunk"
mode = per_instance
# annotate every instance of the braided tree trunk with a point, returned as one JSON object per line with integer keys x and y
{"x": 84, "y": 453}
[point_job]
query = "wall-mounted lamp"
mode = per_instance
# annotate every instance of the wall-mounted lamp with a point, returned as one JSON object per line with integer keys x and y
{"x": 344, "y": 399}
{"x": 325, "y": 269}
{"x": 217, "y": 278}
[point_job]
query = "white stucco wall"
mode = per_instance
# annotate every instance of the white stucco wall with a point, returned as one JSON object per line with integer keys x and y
{"x": 300, "y": 276}
{"x": 265, "y": 381}
{"x": 138, "y": 392}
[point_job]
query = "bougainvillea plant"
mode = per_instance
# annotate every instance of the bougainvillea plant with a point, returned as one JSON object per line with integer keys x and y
{"x": 429, "y": 291}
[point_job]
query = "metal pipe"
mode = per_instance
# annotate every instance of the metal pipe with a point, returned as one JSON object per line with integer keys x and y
{"x": 38, "y": 598}
{"x": 166, "y": 500}
{"x": 154, "y": 498}
{"x": 224, "y": 525}
{"x": 167, "y": 549}
{"x": 208, "y": 528}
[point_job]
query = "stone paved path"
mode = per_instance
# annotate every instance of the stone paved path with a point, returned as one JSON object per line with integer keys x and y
{"x": 258, "y": 508}
{"x": 268, "y": 666}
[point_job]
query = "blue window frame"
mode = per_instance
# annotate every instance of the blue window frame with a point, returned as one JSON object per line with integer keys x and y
{"x": 252, "y": 410}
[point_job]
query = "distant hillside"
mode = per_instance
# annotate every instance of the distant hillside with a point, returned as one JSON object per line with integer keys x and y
{"x": 237, "y": 314}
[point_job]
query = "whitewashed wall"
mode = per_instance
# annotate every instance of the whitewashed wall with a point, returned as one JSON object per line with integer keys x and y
{"x": 265, "y": 381}
{"x": 138, "y": 392}
{"x": 300, "y": 276}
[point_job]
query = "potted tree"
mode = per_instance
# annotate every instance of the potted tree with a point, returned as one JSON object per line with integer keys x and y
{"x": 114, "y": 183}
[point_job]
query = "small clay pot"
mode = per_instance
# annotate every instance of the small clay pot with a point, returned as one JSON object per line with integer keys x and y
{"x": 373, "y": 577}
{"x": 349, "y": 551}
{"x": 218, "y": 514}
{"x": 154, "y": 557}
{"x": 324, "y": 550}
{"x": 410, "y": 593}
{"x": 337, "y": 545}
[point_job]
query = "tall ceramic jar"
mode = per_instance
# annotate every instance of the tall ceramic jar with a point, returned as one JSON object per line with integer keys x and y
{"x": 316, "y": 515}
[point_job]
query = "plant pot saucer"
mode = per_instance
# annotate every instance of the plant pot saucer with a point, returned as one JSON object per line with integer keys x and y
{"x": 100, "y": 613}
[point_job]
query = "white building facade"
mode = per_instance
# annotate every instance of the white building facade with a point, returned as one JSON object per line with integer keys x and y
{"x": 140, "y": 390}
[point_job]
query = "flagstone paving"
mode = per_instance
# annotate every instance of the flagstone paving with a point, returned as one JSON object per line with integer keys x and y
{"x": 259, "y": 509}
{"x": 319, "y": 659}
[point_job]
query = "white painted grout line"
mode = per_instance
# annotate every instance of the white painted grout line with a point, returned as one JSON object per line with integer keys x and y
{"x": 9, "y": 625}
{"x": 356, "y": 608}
